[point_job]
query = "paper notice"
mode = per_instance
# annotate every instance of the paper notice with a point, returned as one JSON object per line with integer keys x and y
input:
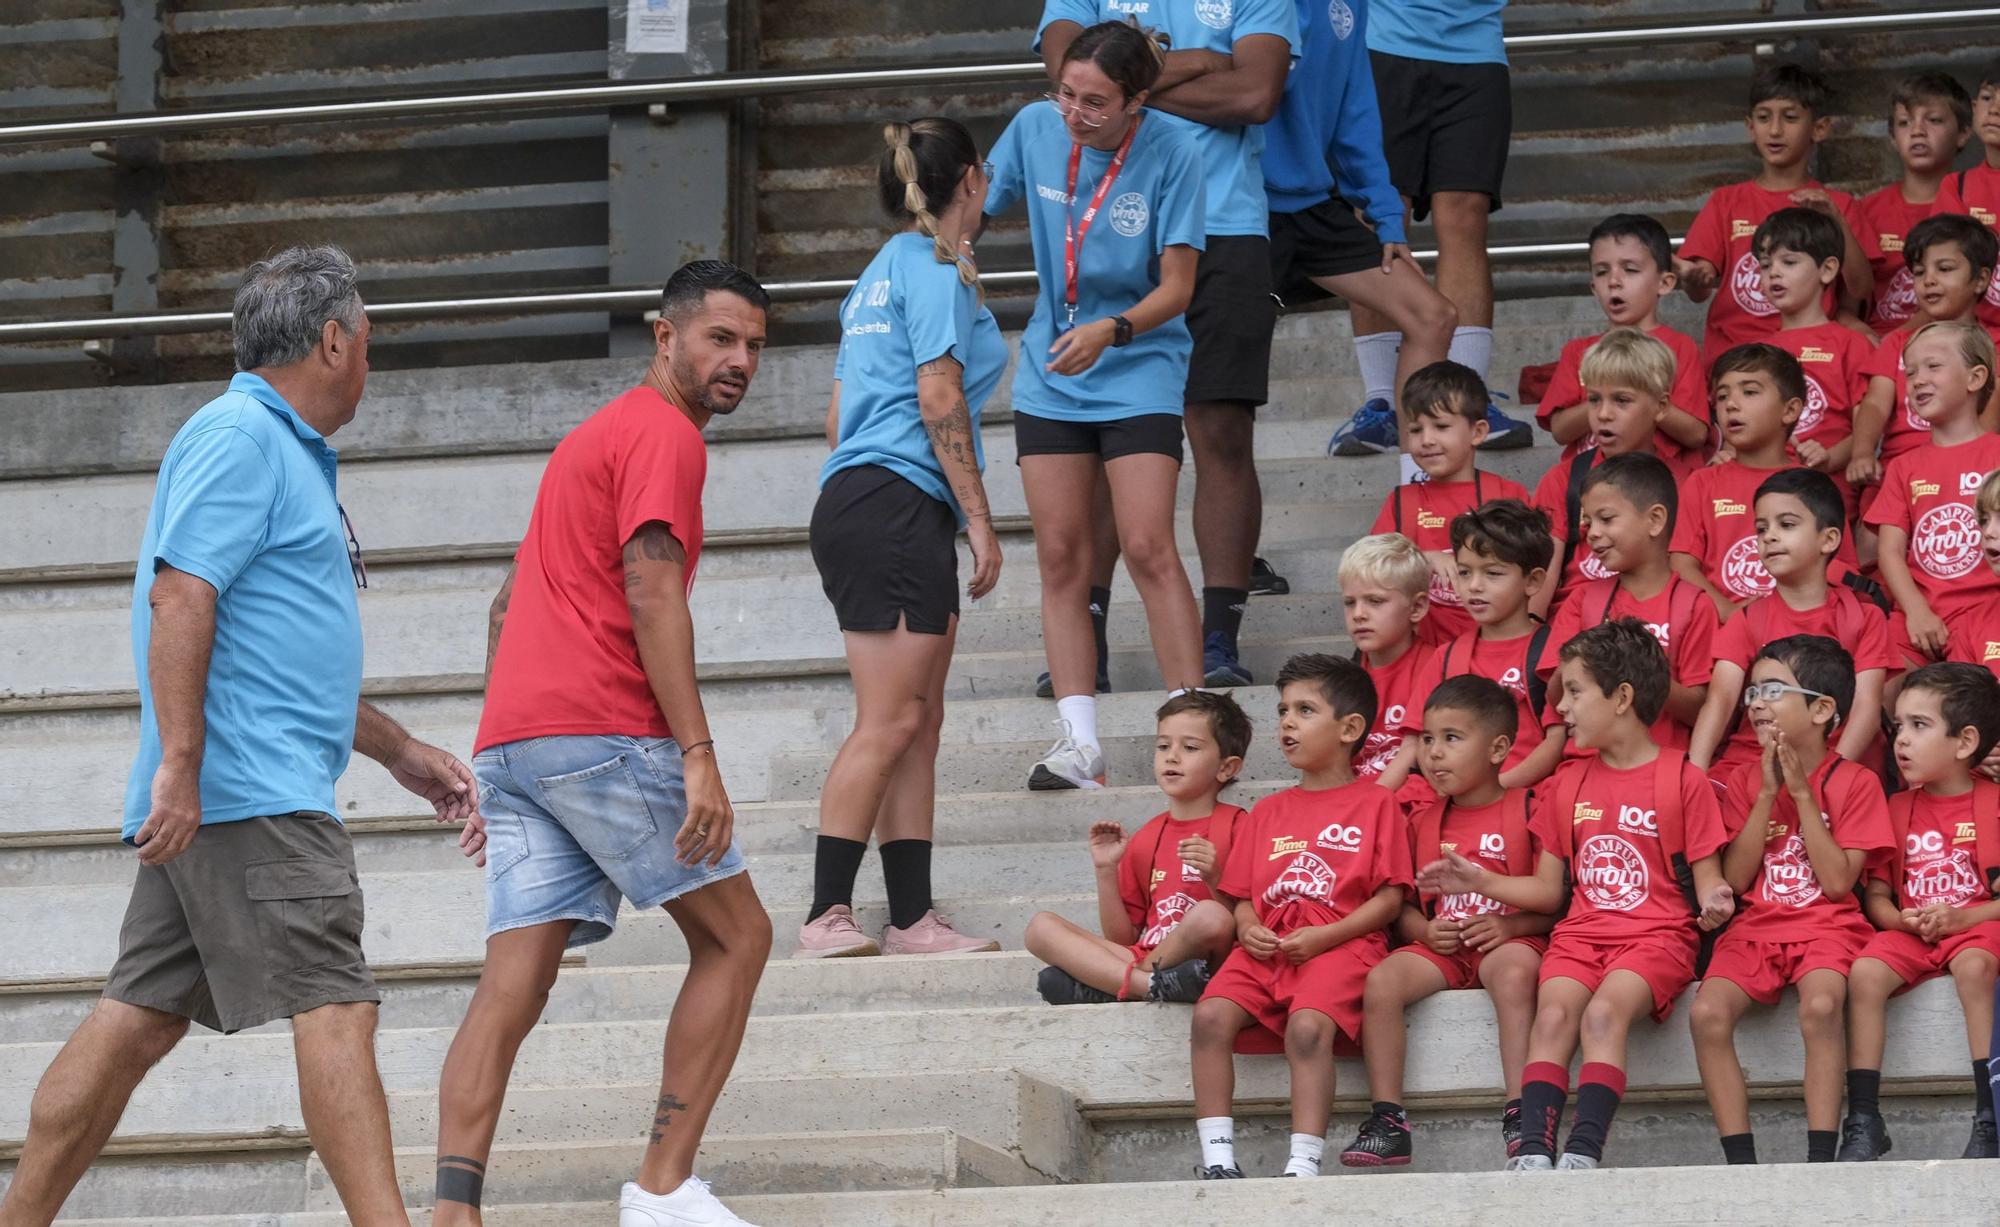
{"x": 656, "y": 27}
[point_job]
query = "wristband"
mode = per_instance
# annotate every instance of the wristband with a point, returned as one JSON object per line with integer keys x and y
{"x": 710, "y": 744}
{"x": 1121, "y": 331}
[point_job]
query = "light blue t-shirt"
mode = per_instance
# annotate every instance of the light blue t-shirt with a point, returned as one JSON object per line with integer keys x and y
{"x": 1442, "y": 31}
{"x": 908, "y": 309}
{"x": 1232, "y": 157}
{"x": 1156, "y": 203}
{"x": 245, "y": 501}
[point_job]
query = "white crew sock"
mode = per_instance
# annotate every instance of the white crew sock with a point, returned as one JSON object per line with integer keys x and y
{"x": 1376, "y": 354}
{"x": 1218, "y": 1140}
{"x": 1473, "y": 347}
{"x": 1080, "y": 711}
{"x": 1307, "y": 1151}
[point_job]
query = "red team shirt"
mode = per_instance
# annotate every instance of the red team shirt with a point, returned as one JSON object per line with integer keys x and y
{"x": 1305, "y": 858}
{"x": 1940, "y": 855}
{"x": 1888, "y": 218}
{"x": 1976, "y": 192}
{"x": 1506, "y": 662}
{"x": 1717, "y": 526}
{"x": 1159, "y": 889}
{"x": 1690, "y": 648}
{"x": 1785, "y": 902}
{"x": 1480, "y": 835}
{"x": 1835, "y": 360}
{"x": 1928, "y": 493}
{"x": 1690, "y": 395}
{"x": 1399, "y": 693}
{"x": 1975, "y": 638}
{"x": 1423, "y": 512}
{"x": 1552, "y": 496}
{"x": 1737, "y": 643}
{"x": 1904, "y": 429}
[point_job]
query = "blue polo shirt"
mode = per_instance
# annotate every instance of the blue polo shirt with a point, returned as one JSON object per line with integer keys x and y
{"x": 1442, "y": 31}
{"x": 245, "y": 501}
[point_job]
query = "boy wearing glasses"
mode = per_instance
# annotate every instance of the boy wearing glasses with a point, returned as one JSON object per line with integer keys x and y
{"x": 1803, "y": 822}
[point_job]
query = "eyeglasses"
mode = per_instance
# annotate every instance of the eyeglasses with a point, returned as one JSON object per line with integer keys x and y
{"x": 1090, "y": 116}
{"x": 986, "y": 168}
{"x": 353, "y": 550}
{"x": 1771, "y": 692}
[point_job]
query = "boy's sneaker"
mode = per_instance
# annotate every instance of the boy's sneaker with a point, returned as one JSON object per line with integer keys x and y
{"x": 1384, "y": 1141}
{"x": 834, "y": 936}
{"x": 1510, "y": 1131}
{"x": 1266, "y": 582}
{"x": 1370, "y": 432}
{"x": 1863, "y": 1138}
{"x": 1530, "y": 1163}
{"x": 1504, "y": 434}
{"x": 1573, "y": 1162}
{"x": 933, "y": 934}
{"x": 1985, "y": 1143}
{"x": 1067, "y": 765}
{"x": 1182, "y": 982}
{"x": 691, "y": 1205}
{"x": 1215, "y": 1171}
{"x": 1045, "y": 686}
{"x": 1058, "y": 987}
{"x": 1219, "y": 664}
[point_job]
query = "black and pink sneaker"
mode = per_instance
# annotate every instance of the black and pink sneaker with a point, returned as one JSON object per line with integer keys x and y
{"x": 1510, "y": 1130}
{"x": 1384, "y": 1141}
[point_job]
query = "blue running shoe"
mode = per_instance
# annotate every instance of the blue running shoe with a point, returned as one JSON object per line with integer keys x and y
{"x": 1370, "y": 432}
{"x": 1504, "y": 434}
{"x": 1219, "y": 664}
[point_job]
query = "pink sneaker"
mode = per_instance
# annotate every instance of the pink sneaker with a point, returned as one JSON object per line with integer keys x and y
{"x": 932, "y": 935}
{"x": 834, "y": 936}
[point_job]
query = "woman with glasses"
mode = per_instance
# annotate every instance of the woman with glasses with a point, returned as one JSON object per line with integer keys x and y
{"x": 1116, "y": 218}
{"x": 919, "y": 354}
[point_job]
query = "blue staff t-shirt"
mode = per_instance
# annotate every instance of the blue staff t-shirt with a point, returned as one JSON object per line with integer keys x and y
{"x": 908, "y": 309}
{"x": 1442, "y": 31}
{"x": 1232, "y": 156}
{"x": 245, "y": 501}
{"x": 1156, "y": 203}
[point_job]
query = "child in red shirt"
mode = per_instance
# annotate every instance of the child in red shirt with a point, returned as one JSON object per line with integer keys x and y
{"x": 1315, "y": 874}
{"x": 1628, "y": 515}
{"x": 1444, "y": 419}
{"x": 1457, "y": 941}
{"x": 1976, "y": 638}
{"x": 1788, "y": 118}
{"x": 1384, "y": 581}
{"x": 1976, "y": 192}
{"x": 1802, "y": 823}
{"x": 1631, "y": 825}
{"x": 1631, "y": 270}
{"x": 1800, "y": 523}
{"x": 1930, "y": 540}
{"x": 1930, "y": 118}
{"x": 1932, "y": 896}
{"x": 1163, "y": 932}
{"x": 1798, "y": 253}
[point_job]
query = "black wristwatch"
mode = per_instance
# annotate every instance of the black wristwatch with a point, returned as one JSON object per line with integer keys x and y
{"x": 1121, "y": 331}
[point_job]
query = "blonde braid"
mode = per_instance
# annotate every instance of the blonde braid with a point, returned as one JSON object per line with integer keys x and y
{"x": 904, "y": 162}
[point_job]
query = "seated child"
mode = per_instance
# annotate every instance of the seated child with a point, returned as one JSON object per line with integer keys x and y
{"x": 1636, "y": 829}
{"x": 1976, "y": 192}
{"x": 1444, "y": 419}
{"x": 1457, "y": 941}
{"x": 1384, "y": 582}
{"x": 1628, "y": 517}
{"x": 1798, "y": 254}
{"x": 1315, "y": 874}
{"x": 1930, "y": 118}
{"x": 1802, "y": 822}
{"x": 1800, "y": 522}
{"x": 1932, "y": 895}
{"x": 1631, "y": 270}
{"x": 1163, "y": 932}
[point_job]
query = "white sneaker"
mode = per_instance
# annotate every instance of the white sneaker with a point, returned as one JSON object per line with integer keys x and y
{"x": 1575, "y": 1163}
{"x": 691, "y": 1205}
{"x": 1067, "y": 765}
{"x": 1530, "y": 1163}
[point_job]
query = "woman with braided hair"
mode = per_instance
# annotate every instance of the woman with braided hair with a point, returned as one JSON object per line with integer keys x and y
{"x": 919, "y": 355}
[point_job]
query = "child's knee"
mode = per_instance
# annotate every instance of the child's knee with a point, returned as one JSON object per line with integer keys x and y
{"x": 1308, "y": 1033}
{"x": 1823, "y": 1012}
{"x": 1711, "y": 1019}
{"x": 1042, "y": 928}
{"x": 1603, "y": 1021}
{"x": 1216, "y": 1023}
{"x": 1975, "y": 969}
{"x": 1210, "y": 922}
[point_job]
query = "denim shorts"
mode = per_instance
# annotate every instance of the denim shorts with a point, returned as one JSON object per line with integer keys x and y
{"x": 572, "y": 823}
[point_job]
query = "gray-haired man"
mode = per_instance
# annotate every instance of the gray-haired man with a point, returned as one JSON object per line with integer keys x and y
{"x": 247, "y": 636}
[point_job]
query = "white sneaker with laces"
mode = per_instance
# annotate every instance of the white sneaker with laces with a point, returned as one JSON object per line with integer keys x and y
{"x": 1530, "y": 1163}
{"x": 1575, "y": 1163}
{"x": 1067, "y": 765}
{"x": 691, "y": 1205}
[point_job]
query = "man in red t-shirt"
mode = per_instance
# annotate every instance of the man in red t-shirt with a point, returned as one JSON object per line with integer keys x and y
{"x": 597, "y": 773}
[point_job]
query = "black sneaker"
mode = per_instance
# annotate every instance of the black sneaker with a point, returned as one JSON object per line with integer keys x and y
{"x": 1045, "y": 687}
{"x": 1863, "y": 1138}
{"x": 1058, "y": 987}
{"x": 1182, "y": 982}
{"x": 1266, "y": 582}
{"x": 1215, "y": 1171}
{"x": 1985, "y": 1143}
{"x": 1510, "y": 1131}
{"x": 1384, "y": 1141}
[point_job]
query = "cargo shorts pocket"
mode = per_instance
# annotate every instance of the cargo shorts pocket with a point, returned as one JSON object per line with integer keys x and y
{"x": 308, "y": 912}
{"x": 603, "y": 808}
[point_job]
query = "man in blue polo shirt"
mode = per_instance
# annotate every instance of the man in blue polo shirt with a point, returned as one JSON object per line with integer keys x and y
{"x": 247, "y": 638}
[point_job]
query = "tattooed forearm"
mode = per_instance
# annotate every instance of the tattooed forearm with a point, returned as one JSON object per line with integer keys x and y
{"x": 951, "y": 435}
{"x": 663, "y": 1116}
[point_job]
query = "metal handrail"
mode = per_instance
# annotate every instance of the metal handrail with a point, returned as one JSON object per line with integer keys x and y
{"x": 758, "y": 85}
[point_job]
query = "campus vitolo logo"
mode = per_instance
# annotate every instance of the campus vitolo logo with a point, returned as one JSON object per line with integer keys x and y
{"x": 1815, "y": 409}
{"x": 1611, "y": 873}
{"x": 1788, "y": 875}
{"x": 1307, "y": 877}
{"x": 1743, "y": 571}
{"x": 1167, "y": 915}
{"x": 1129, "y": 215}
{"x": 1593, "y": 567}
{"x": 1899, "y": 301}
{"x": 1342, "y": 18}
{"x": 1442, "y": 591}
{"x": 1993, "y": 289}
{"x": 1947, "y": 541}
{"x": 1746, "y": 284}
{"x": 1935, "y": 874}
{"x": 1215, "y": 13}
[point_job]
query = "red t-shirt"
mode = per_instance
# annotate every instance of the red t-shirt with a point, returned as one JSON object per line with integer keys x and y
{"x": 1976, "y": 192}
{"x": 1888, "y": 218}
{"x": 1624, "y": 884}
{"x": 1479, "y": 834}
{"x": 568, "y": 662}
{"x": 1717, "y": 526}
{"x": 1690, "y": 648}
{"x": 1785, "y": 902}
{"x": 1928, "y": 493}
{"x": 1157, "y": 886}
{"x": 1835, "y": 360}
{"x": 1552, "y": 496}
{"x": 1306, "y": 858}
{"x": 1399, "y": 692}
{"x": 1738, "y": 642}
{"x": 1975, "y": 638}
{"x": 1904, "y": 429}
{"x": 1423, "y": 512}
{"x": 1721, "y": 233}
{"x": 1506, "y": 662}
{"x": 1690, "y": 395}
{"x": 1940, "y": 854}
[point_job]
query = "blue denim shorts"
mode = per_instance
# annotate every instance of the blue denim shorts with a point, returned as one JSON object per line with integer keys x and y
{"x": 573, "y": 823}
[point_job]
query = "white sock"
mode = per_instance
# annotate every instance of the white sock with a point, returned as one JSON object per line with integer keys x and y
{"x": 1376, "y": 354}
{"x": 1080, "y": 710}
{"x": 1218, "y": 1140}
{"x": 1473, "y": 347}
{"x": 1307, "y": 1151}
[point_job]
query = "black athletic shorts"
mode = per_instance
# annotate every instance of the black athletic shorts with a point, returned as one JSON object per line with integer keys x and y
{"x": 1327, "y": 240}
{"x": 1445, "y": 127}
{"x": 886, "y": 551}
{"x": 1232, "y": 317}
{"x": 1155, "y": 433}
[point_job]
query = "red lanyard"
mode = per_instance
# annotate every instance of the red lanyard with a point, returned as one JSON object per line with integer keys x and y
{"x": 1075, "y": 228}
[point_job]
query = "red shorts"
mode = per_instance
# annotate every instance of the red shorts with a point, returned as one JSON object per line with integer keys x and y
{"x": 1272, "y": 992}
{"x": 1665, "y": 962}
{"x": 1461, "y": 970}
{"x": 1765, "y": 969}
{"x": 1899, "y": 640}
{"x": 1916, "y": 961}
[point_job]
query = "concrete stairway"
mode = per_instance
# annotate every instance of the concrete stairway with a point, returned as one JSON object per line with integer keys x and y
{"x": 871, "y": 1091}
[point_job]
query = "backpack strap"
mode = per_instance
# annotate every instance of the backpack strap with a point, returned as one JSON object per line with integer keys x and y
{"x": 1429, "y": 830}
{"x": 1514, "y": 829}
{"x": 1866, "y": 589}
{"x": 1396, "y": 502}
{"x": 1986, "y": 823}
{"x": 1900, "y": 804}
{"x": 1672, "y": 821}
{"x": 1222, "y": 831}
{"x": 1478, "y": 490}
{"x": 1537, "y": 685}
{"x": 1568, "y": 785}
{"x": 1579, "y": 469}
{"x": 1680, "y": 611}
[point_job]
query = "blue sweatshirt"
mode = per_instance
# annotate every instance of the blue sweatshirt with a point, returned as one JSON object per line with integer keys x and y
{"x": 1327, "y": 134}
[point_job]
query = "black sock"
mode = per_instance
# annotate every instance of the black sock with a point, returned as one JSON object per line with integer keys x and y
{"x": 1982, "y": 1088}
{"x": 1820, "y": 1144}
{"x": 1864, "y": 1089}
{"x": 1384, "y": 1108}
{"x": 1599, "y": 1087}
{"x": 1739, "y": 1148}
{"x": 1222, "y": 612}
{"x": 835, "y": 862}
{"x": 906, "y": 871}
{"x": 1100, "y": 617}
{"x": 1542, "y": 1099}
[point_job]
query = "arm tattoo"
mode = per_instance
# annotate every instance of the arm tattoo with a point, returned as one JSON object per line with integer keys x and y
{"x": 939, "y": 366}
{"x": 663, "y": 1116}
{"x": 951, "y": 434}
{"x": 653, "y": 542}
